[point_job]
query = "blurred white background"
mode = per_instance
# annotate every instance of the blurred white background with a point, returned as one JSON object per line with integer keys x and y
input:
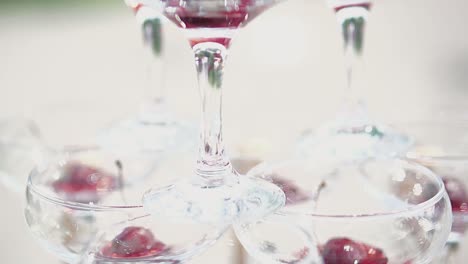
{"x": 75, "y": 69}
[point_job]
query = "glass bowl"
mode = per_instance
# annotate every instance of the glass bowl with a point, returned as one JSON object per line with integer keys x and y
{"x": 86, "y": 206}
{"x": 375, "y": 211}
{"x": 442, "y": 146}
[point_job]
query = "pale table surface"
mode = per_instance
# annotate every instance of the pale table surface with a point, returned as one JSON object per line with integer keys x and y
{"x": 74, "y": 71}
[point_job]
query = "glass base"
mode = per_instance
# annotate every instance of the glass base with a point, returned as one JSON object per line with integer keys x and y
{"x": 219, "y": 202}
{"x": 353, "y": 135}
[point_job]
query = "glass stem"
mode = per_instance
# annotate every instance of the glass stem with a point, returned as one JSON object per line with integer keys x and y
{"x": 209, "y": 62}
{"x": 353, "y": 21}
{"x": 156, "y": 90}
{"x": 153, "y": 40}
{"x": 155, "y": 110}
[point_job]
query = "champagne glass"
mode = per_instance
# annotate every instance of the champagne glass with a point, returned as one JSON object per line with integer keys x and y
{"x": 441, "y": 145}
{"x": 81, "y": 208}
{"x": 399, "y": 214}
{"x": 214, "y": 192}
{"x": 154, "y": 129}
{"x": 353, "y": 133}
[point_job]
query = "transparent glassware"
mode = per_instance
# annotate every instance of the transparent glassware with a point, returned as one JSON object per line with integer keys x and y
{"x": 353, "y": 133}
{"x": 21, "y": 148}
{"x": 387, "y": 211}
{"x": 154, "y": 129}
{"x": 442, "y": 146}
{"x": 213, "y": 192}
{"x": 84, "y": 208}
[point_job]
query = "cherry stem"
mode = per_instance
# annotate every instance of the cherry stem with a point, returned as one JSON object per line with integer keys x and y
{"x": 119, "y": 165}
{"x": 209, "y": 62}
{"x": 353, "y": 21}
{"x": 318, "y": 192}
{"x": 321, "y": 186}
{"x": 451, "y": 250}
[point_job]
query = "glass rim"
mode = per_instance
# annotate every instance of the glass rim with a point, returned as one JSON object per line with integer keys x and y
{"x": 67, "y": 150}
{"x": 408, "y": 211}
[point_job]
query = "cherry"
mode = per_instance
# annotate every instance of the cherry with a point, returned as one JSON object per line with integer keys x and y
{"x": 82, "y": 183}
{"x": 457, "y": 194}
{"x": 294, "y": 194}
{"x": 134, "y": 242}
{"x": 347, "y": 251}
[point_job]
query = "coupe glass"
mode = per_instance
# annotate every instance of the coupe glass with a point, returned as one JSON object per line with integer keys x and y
{"x": 353, "y": 133}
{"x": 386, "y": 211}
{"x": 213, "y": 192}
{"x": 154, "y": 129}
{"x": 442, "y": 146}
{"x": 83, "y": 208}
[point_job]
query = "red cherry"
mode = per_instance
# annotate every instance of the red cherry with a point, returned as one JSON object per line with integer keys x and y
{"x": 457, "y": 194}
{"x": 347, "y": 251}
{"x": 134, "y": 242}
{"x": 294, "y": 194}
{"x": 82, "y": 183}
